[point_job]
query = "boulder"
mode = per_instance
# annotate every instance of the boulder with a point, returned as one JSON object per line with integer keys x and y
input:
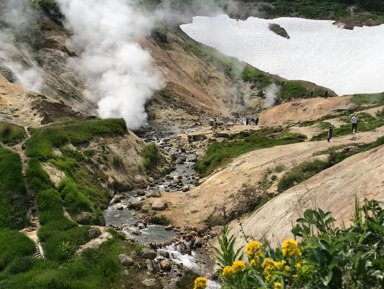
{"x": 153, "y": 194}
{"x": 166, "y": 265}
{"x": 119, "y": 207}
{"x": 148, "y": 253}
{"x": 125, "y": 260}
{"x": 159, "y": 205}
{"x": 149, "y": 282}
{"x": 92, "y": 233}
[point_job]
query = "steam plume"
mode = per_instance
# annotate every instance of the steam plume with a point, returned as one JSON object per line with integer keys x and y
{"x": 118, "y": 72}
{"x": 17, "y": 16}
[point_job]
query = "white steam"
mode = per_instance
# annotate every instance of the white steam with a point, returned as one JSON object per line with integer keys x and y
{"x": 270, "y": 95}
{"x": 118, "y": 72}
{"x": 17, "y": 16}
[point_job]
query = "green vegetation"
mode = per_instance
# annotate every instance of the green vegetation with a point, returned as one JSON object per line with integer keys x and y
{"x": 361, "y": 99}
{"x": 292, "y": 89}
{"x": 327, "y": 257}
{"x": 13, "y": 193}
{"x": 43, "y": 140}
{"x": 257, "y": 77}
{"x": 51, "y": 9}
{"x": 14, "y": 245}
{"x": 151, "y": 156}
{"x": 308, "y": 169}
{"x": 366, "y": 123}
{"x": 219, "y": 154}
{"x": 11, "y": 134}
{"x": 160, "y": 220}
{"x": 302, "y": 172}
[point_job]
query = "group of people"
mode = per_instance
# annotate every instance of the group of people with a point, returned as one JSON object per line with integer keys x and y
{"x": 354, "y": 121}
{"x": 255, "y": 121}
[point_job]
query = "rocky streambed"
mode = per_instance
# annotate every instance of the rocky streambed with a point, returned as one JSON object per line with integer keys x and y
{"x": 173, "y": 249}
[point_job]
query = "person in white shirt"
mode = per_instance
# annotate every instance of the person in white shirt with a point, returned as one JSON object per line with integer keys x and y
{"x": 354, "y": 121}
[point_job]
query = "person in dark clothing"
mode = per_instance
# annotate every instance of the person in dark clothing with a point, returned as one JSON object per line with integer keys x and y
{"x": 326, "y": 93}
{"x": 257, "y": 120}
{"x": 330, "y": 131}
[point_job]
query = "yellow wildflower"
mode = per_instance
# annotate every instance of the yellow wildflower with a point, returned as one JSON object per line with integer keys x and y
{"x": 200, "y": 283}
{"x": 238, "y": 266}
{"x": 255, "y": 262}
{"x": 290, "y": 248}
{"x": 287, "y": 268}
{"x": 277, "y": 285}
{"x": 295, "y": 276}
{"x": 268, "y": 262}
{"x": 253, "y": 249}
{"x": 228, "y": 272}
{"x": 298, "y": 265}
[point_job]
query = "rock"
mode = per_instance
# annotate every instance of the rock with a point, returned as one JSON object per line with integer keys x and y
{"x": 278, "y": 30}
{"x": 166, "y": 265}
{"x": 141, "y": 193}
{"x": 136, "y": 232}
{"x": 159, "y": 205}
{"x": 119, "y": 207}
{"x": 149, "y": 282}
{"x": 198, "y": 242}
{"x": 153, "y": 194}
{"x": 187, "y": 228}
{"x": 92, "y": 233}
{"x": 141, "y": 226}
{"x": 148, "y": 253}
{"x": 165, "y": 254}
{"x": 168, "y": 228}
{"x": 135, "y": 205}
{"x": 185, "y": 188}
{"x": 149, "y": 265}
{"x": 125, "y": 260}
{"x": 117, "y": 216}
{"x": 8, "y": 74}
{"x": 85, "y": 218}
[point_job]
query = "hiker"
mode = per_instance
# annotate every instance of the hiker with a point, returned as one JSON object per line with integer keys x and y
{"x": 246, "y": 121}
{"x": 311, "y": 93}
{"x": 354, "y": 121}
{"x": 330, "y": 131}
{"x": 326, "y": 93}
{"x": 214, "y": 125}
{"x": 257, "y": 120}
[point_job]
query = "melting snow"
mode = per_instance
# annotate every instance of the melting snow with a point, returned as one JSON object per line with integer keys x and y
{"x": 346, "y": 61}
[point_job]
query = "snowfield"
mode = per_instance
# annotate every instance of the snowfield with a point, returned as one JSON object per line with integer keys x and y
{"x": 346, "y": 61}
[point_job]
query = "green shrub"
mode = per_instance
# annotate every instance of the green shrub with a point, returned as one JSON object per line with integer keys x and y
{"x": 20, "y": 265}
{"x": 50, "y": 206}
{"x": 37, "y": 178}
{"x": 160, "y": 220}
{"x": 151, "y": 156}
{"x": 14, "y": 245}
{"x": 11, "y": 134}
{"x": 361, "y": 99}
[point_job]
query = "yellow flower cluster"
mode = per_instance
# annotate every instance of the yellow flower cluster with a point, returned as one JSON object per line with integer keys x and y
{"x": 228, "y": 272}
{"x": 253, "y": 249}
{"x": 298, "y": 265}
{"x": 269, "y": 265}
{"x": 200, "y": 283}
{"x": 290, "y": 248}
{"x": 238, "y": 266}
{"x": 277, "y": 285}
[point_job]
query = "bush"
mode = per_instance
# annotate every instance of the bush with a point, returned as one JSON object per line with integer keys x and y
{"x": 151, "y": 156}
{"x": 160, "y": 220}
{"x": 251, "y": 74}
{"x": 326, "y": 257}
{"x": 21, "y": 265}
{"x": 14, "y": 245}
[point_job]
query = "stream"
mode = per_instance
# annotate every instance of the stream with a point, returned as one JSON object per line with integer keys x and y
{"x": 130, "y": 222}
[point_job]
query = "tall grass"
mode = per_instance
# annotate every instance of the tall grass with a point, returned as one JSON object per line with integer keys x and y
{"x": 13, "y": 193}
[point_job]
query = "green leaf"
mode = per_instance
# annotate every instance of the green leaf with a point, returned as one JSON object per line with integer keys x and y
{"x": 326, "y": 279}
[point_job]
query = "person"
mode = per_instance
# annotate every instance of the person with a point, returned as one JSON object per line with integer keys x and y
{"x": 354, "y": 121}
{"x": 326, "y": 93}
{"x": 311, "y": 93}
{"x": 330, "y": 131}
{"x": 257, "y": 120}
{"x": 214, "y": 125}
{"x": 246, "y": 121}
